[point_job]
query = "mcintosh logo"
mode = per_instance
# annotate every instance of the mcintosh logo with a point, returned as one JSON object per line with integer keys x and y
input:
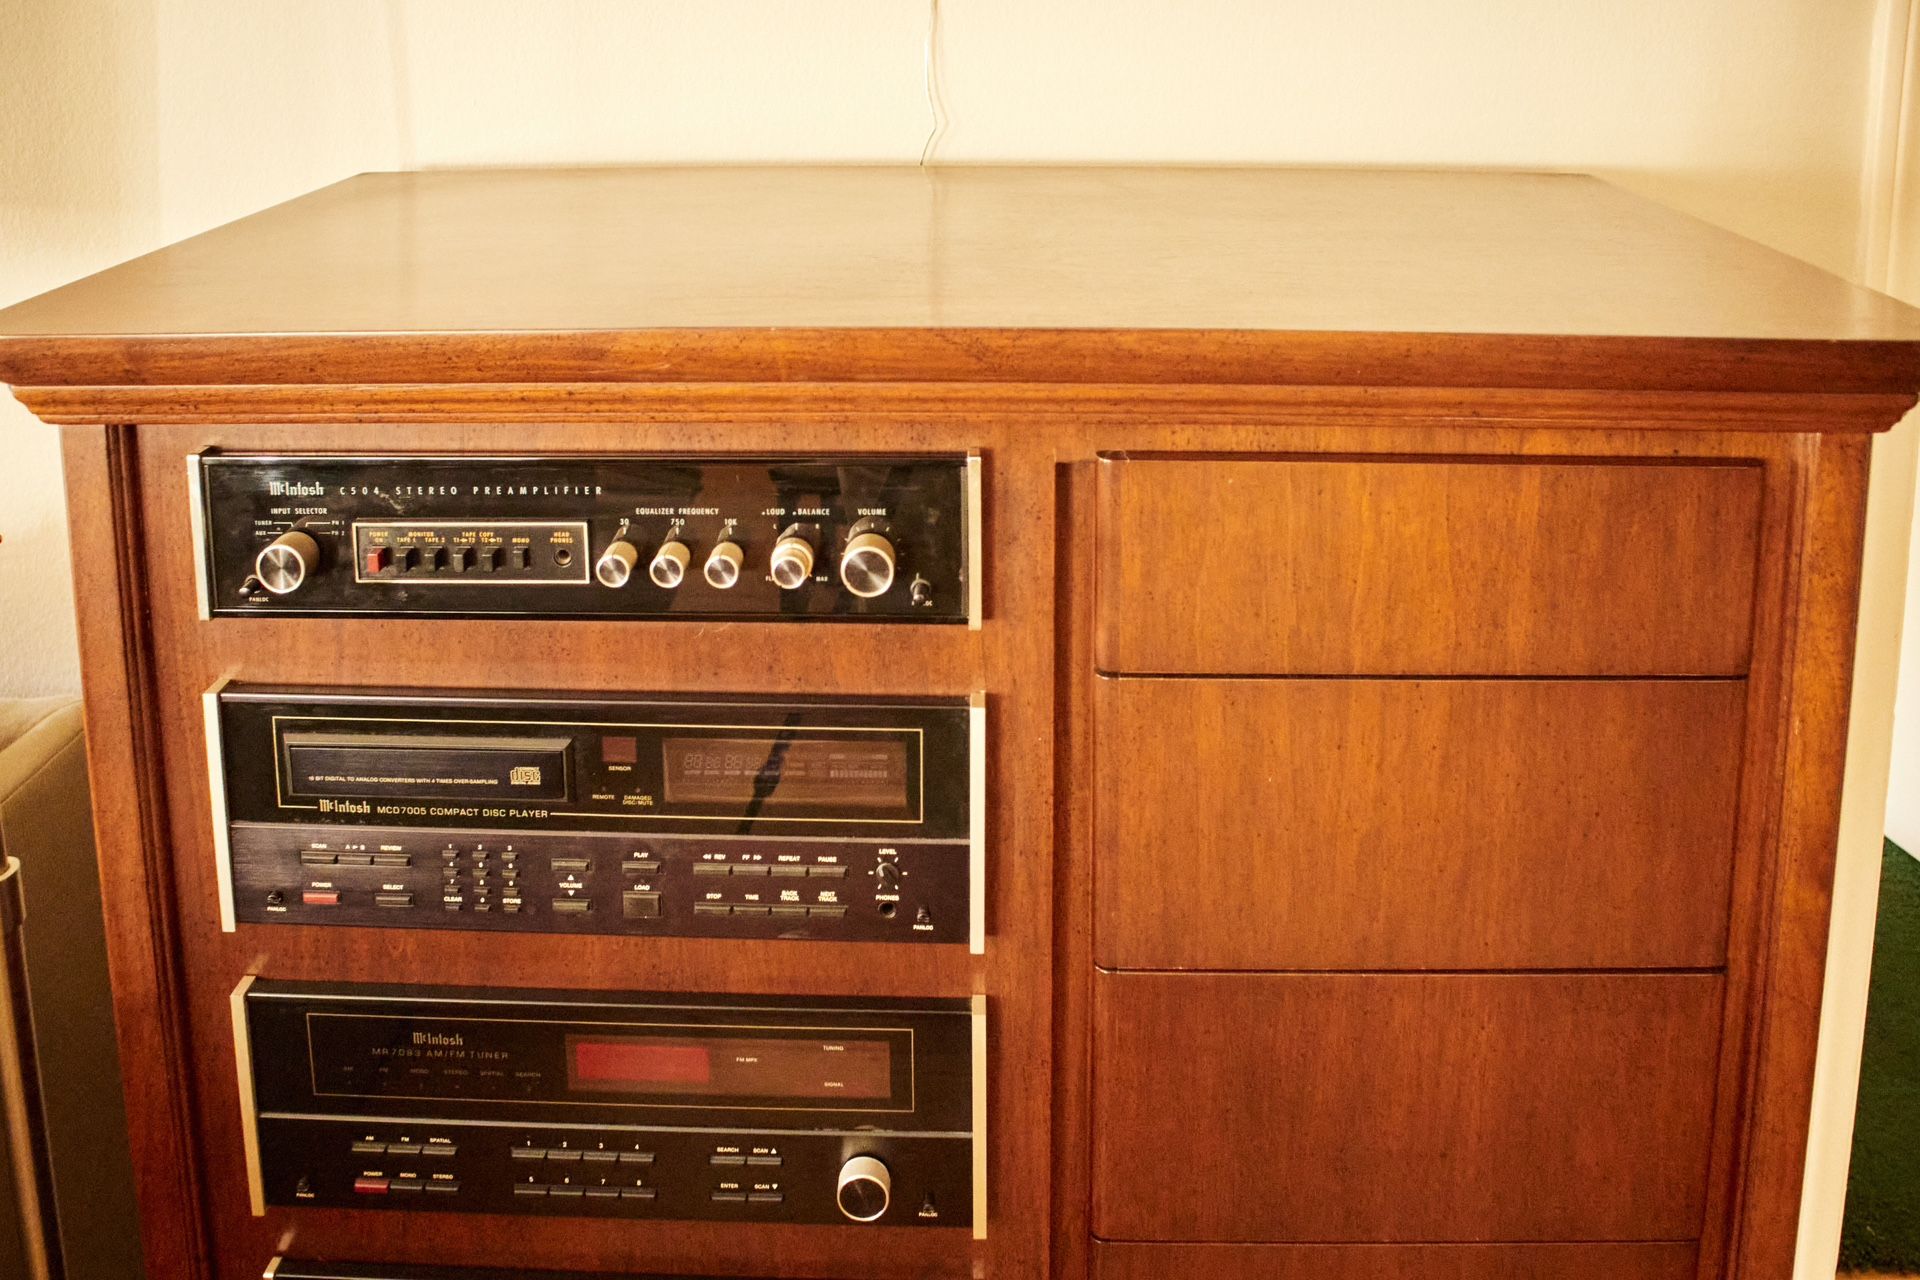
{"x": 439, "y": 1039}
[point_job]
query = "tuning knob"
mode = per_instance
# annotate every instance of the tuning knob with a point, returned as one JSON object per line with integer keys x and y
{"x": 866, "y": 566}
{"x": 865, "y": 1189}
{"x": 283, "y": 564}
{"x": 669, "y": 564}
{"x": 722, "y": 569}
{"x": 616, "y": 563}
{"x": 792, "y": 560}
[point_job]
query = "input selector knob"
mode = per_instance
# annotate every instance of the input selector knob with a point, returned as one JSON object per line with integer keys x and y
{"x": 723, "y": 565}
{"x": 669, "y": 564}
{"x": 283, "y": 564}
{"x": 616, "y": 563}
{"x": 792, "y": 561}
{"x": 865, "y": 1189}
{"x": 866, "y": 566}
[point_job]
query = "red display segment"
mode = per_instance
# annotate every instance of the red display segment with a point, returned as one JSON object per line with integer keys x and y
{"x": 640, "y": 1062}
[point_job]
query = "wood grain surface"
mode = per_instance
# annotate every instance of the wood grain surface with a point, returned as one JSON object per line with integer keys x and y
{"x": 1424, "y": 567}
{"x": 1415, "y": 824}
{"x": 1416, "y": 1108}
{"x": 961, "y": 274}
{"x": 1651, "y": 1261}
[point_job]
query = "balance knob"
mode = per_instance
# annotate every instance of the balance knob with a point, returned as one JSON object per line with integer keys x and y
{"x": 669, "y": 564}
{"x": 866, "y": 566}
{"x": 865, "y": 1189}
{"x": 723, "y": 565}
{"x": 792, "y": 560}
{"x": 616, "y": 563}
{"x": 283, "y": 564}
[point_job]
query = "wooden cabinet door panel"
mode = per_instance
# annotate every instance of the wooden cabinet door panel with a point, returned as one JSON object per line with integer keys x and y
{"x": 1425, "y": 566}
{"x": 1658, "y": 1261}
{"x": 1430, "y": 1108}
{"x": 1414, "y": 824}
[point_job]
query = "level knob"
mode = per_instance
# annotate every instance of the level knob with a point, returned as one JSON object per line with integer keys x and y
{"x": 723, "y": 565}
{"x": 283, "y": 564}
{"x": 865, "y": 1189}
{"x": 866, "y": 566}
{"x": 616, "y": 563}
{"x": 669, "y": 564}
{"x": 792, "y": 561}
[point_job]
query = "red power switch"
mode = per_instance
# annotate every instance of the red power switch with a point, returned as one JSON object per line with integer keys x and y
{"x": 370, "y": 1186}
{"x": 321, "y": 897}
{"x": 377, "y": 558}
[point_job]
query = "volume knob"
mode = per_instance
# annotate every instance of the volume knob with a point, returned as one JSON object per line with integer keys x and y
{"x": 616, "y": 563}
{"x": 792, "y": 561}
{"x": 866, "y": 566}
{"x": 865, "y": 1189}
{"x": 669, "y": 564}
{"x": 283, "y": 564}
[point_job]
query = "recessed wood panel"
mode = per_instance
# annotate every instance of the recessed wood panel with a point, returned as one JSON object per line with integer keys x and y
{"x": 1414, "y": 824}
{"x": 1425, "y": 566}
{"x": 1661, "y": 1261}
{"x": 1382, "y": 1108}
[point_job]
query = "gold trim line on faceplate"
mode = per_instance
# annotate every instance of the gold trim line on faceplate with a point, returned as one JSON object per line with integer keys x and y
{"x": 979, "y": 1021}
{"x": 977, "y": 823}
{"x": 197, "y": 521}
{"x": 217, "y": 803}
{"x": 975, "y": 537}
{"x": 249, "y": 1107}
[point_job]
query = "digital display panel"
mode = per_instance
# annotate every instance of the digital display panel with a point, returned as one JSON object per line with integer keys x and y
{"x": 730, "y": 1067}
{"x": 761, "y": 775}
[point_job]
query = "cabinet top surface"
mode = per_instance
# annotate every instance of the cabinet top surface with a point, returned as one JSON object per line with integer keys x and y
{"x": 755, "y": 256}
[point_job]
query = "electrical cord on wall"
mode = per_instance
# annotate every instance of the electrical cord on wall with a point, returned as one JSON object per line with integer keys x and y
{"x": 936, "y": 110}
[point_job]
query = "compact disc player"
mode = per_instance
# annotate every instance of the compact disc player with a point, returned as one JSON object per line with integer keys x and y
{"x": 841, "y": 819}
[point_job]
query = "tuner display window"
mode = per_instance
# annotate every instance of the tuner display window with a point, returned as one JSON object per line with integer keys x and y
{"x": 729, "y": 1067}
{"x": 768, "y": 775}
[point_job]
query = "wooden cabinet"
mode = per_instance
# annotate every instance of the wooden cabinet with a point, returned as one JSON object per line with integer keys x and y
{"x": 1425, "y": 566}
{"x": 1418, "y": 624}
{"x": 1405, "y": 1108}
{"x": 1414, "y": 824}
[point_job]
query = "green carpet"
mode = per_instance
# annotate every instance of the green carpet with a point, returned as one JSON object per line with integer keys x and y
{"x": 1882, "y": 1230}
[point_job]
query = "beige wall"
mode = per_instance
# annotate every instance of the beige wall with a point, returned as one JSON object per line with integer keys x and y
{"x": 125, "y": 124}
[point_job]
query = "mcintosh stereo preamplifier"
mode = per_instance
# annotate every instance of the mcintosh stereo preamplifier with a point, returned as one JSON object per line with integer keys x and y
{"x": 729, "y": 1108}
{"x": 852, "y": 539}
{"x": 717, "y": 816}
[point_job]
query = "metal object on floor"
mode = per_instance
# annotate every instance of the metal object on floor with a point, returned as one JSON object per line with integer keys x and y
{"x": 20, "y": 1088}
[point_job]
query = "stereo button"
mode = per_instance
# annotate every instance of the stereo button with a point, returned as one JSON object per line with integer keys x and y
{"x": 446, "y": 1188}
